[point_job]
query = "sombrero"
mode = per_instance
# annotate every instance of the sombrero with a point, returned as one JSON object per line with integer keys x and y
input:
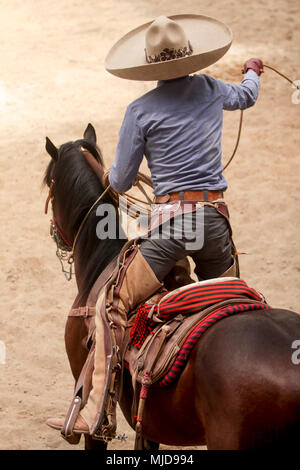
{"x": 169, "y": 47}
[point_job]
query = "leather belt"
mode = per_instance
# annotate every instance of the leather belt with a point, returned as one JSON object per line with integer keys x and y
{"x": 199, "y": 196}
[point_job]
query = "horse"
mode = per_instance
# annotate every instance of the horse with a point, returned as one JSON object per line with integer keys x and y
{"x": 240, "y": 388}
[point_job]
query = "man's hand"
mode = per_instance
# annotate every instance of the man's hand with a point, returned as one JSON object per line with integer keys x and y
{"x": 253, "y": 64}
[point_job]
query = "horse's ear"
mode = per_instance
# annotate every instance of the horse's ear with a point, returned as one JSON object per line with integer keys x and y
{"x": 90, "y": 134}
{"x": 51, "y": 149}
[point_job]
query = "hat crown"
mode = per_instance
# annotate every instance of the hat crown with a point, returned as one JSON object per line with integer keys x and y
{"x": 162, "y": 34}
{"x": 169, "y": 47}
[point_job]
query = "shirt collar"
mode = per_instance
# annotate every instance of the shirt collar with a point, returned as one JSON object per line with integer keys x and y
{"x": 162, "y": 82}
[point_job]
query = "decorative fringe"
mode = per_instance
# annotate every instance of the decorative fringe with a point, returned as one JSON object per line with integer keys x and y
{"x": 139, "y": 440}
{"x": 142, "y": 327}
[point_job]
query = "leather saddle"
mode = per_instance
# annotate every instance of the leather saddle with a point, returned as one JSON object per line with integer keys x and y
{"x": 147, "y": 364}
{"x": 160, "y": 349}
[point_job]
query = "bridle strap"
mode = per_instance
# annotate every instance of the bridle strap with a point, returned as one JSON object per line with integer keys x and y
{"x": 86, "y": 216}
{"x": 98, "y": 170}
{"x": 95, "y": 166}
{"x": 61, "y": 234}
{"x": 50, "y": 196}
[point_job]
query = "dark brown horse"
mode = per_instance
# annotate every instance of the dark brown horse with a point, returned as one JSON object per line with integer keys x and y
{"x": 240, "y": 388}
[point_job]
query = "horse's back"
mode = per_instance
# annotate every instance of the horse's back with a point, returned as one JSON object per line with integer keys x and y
{"x": 247, "y": 383}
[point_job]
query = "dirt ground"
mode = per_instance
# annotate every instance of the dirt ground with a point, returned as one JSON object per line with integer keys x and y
{"x": 53, "y": 83}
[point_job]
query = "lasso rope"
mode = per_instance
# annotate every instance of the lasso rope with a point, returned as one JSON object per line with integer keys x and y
{"x": 282, "y": 75}
{"x": 237, "y": 141}
{"x": 241, "y": 115}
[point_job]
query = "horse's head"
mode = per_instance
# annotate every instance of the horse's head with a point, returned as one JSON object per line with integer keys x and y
{"x": 75, "y": 180}
{"x": 74, "y": 177}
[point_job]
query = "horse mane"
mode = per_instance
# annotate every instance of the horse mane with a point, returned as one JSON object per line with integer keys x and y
{"x": 79, "y": 187}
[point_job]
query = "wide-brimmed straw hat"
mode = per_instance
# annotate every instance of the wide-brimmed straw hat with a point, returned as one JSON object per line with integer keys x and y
{"x": 169, "y": 47}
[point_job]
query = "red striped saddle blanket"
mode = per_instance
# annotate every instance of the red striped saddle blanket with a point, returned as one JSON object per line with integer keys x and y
{"x": 233, "y": 295}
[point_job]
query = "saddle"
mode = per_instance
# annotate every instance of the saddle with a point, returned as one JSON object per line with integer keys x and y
{"x": 161, "y": 347}
{"x": 150, "y": 362}
{"x": 164, "y": 353}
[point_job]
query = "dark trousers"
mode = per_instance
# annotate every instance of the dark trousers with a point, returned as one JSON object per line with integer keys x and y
{"x": 203, "y": 235}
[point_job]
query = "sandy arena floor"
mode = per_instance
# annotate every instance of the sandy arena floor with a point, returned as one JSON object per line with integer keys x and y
{"x": 53, "y": 82}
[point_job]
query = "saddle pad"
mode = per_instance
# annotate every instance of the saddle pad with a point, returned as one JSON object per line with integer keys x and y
{"x": 187, "y": 301}
{"x": 186, "y": 349}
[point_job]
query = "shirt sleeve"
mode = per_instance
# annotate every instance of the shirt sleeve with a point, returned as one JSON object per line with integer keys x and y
{"x": 129, "y": 153}
{"x": 240, "y": 96}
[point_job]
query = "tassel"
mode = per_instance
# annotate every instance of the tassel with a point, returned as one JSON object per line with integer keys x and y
{"x": 139, "y": 440}
{"x": 142, "y": 326}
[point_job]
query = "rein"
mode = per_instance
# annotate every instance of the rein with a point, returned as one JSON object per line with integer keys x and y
{"x": 65, "y": 249}
{"x": 86, "y": 216}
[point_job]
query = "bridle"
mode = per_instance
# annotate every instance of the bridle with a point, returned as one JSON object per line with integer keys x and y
{"x": 64, "y": 249}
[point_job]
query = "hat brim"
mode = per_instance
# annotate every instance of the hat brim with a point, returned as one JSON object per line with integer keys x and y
{"x": 210, "y": 40}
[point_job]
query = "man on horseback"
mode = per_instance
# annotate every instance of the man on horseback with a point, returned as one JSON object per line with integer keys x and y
{"x": 178, "y": 127}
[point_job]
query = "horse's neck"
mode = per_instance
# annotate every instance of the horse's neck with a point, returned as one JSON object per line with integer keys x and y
{"x": 88, "y": 270}
{"x": 81, "y": 298}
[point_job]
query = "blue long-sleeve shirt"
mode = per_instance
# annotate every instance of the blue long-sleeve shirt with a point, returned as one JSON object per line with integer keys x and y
{"x": 178, "y": 127}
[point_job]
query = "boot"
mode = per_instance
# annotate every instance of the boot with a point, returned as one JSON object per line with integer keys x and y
{"x": 97, "y": 416}
{"x": 80, "y": 427}
{"x": 180, "y": 275}
{"x": 138, "y": 284}
{"x": 233, "y": 270}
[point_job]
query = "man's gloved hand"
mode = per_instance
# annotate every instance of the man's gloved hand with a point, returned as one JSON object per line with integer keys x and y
{"x": 254, "y": 64}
